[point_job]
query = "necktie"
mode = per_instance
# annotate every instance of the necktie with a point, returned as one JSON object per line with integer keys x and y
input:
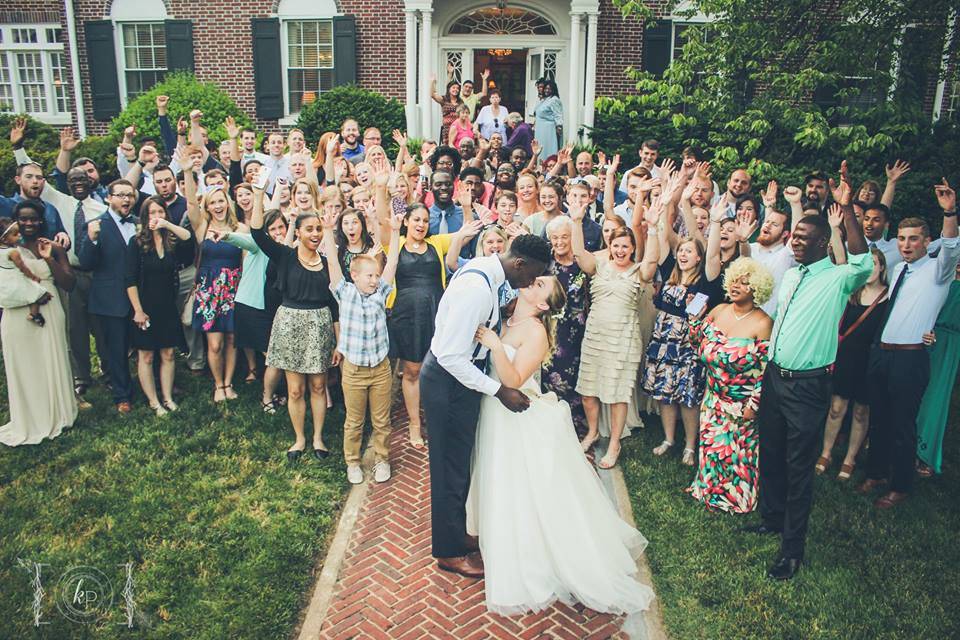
{"x": 443, "y": 222}
{"x": 778, "y": 323}
{"x": 127, "y": 219}
{"x": 873, "y": 245}
{"x": 892, "y": 300}
{"x": 79, "y": 221}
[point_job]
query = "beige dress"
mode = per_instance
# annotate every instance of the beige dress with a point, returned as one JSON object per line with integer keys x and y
{"x": 39, "y": 383}
{"x": 613, "y": 345}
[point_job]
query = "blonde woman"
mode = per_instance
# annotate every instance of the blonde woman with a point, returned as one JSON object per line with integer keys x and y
{"x": 218, "y": 276}
{"x": 732, "y": 342}
{"x": 528, "y": 197}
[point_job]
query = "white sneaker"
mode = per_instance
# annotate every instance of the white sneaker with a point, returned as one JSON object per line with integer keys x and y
{"x": 354, "y": 474}
{"x": 381, "y": 471}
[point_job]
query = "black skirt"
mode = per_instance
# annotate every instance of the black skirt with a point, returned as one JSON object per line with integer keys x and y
{"x": 252, "y": 327}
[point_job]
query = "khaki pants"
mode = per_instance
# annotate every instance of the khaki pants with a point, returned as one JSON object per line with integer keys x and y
{"x": 359, "y": 384}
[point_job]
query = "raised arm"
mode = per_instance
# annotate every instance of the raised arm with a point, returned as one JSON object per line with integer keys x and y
{"x": 894, "y": 173}
{"x": 609, "y": 187}
{"x": 835, "y": 217}
{"x": 843, "y": 194}
{"x": 654, "y": 216}
{"x": 793, "y": 196}
{"x": 329, "y": 223}
{"x": 167, "y": 134}
{"x": 393, "y": 255}
{"x": 197, "y": 222}
{"x": 402, "y": 152}
{"x": 68, "y": 142}
{"x": 584, "y": 258}
{"x": 433, "y": 89}
{"x": 483, "y": 77}
{"x": 381, "y": 197}
{"x": 464, "y": 234}
{"x": 713, "y": 263}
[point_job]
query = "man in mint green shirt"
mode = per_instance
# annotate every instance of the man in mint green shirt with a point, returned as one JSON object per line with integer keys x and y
{"x": 796, "y": 383}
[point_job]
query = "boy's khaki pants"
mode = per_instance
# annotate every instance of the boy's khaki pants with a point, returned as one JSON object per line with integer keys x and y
{"x": 363, "y": 385}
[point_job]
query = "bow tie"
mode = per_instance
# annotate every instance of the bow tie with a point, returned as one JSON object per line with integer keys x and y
{"x": 128, "y": 219}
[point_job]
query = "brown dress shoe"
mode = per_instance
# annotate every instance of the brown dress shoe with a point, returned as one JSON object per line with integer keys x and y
{"x": 468, "y": 566}
{"x": 869, "y": 486}
{"x": 472, "y": 543}
{"x": 124, "y": 407}
{"x": 890, "y": 500}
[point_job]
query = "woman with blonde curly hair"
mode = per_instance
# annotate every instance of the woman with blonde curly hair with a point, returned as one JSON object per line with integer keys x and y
{"x": 732, "y": 343}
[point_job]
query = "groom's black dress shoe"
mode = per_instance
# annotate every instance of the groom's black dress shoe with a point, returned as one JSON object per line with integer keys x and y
{"x": 760, "y": 529}
{"x": 468, "y": 566}
{"x": 784, "y": 568}
{"x": 472, "y": 543}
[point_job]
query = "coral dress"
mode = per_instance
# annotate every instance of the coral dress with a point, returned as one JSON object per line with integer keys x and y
{"x": 728, "y": 468}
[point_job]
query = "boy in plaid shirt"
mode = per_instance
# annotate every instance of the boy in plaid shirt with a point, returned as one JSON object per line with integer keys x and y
{"x": 364, "y": 343}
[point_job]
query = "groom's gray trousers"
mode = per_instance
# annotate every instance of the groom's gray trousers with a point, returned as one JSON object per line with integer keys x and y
{"x": 451, "y": 410}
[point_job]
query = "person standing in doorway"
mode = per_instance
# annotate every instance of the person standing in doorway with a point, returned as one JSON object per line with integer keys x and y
{"x": 548, "y": 129}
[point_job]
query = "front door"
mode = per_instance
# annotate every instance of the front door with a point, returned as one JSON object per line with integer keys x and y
{"x": 535, "y": 67}
{"x": 507, "y": 73}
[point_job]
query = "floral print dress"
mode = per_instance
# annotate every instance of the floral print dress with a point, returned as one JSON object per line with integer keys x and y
{"x": 728, "y": 468}
{"x": 218, "y": 277}
{"x": 559, "y": 375}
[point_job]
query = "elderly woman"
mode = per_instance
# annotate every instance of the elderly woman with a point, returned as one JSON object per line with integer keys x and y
{"x": 561, "y": 373}
{"x": 39, "y": 385}
{"x": 732, "y": 343}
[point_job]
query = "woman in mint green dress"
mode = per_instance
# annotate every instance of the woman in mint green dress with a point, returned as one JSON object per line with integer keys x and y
{"x": 944, "y": 360}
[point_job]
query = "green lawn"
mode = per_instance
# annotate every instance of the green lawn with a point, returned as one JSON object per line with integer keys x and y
{"x": 222, "y": 533}
{"x": 869, "y": 574}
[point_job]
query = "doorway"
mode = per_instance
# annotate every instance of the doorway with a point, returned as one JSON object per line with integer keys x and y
{"x": 508, "y": 68}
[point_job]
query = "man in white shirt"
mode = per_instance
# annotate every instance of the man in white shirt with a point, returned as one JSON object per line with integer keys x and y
{"x": 771, "y": 251}
{"x": 649, "y": 152}
{"x": 875, "y": 219}
{"x": 899, "y": 365}
{"x": 452, "y": 381}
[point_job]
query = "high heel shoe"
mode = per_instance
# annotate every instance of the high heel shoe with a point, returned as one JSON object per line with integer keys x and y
{"x": 589, "y": 441}
{"x": 609, "y": 461}
{"x": 415, "y": 441}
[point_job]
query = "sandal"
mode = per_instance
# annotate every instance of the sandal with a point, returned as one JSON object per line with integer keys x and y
{"x": 170, "y": 405}
{"x": 251, "y": 377}
{"x": 223, "y": 395}
{"x": 823, "y": 462}
{"x": 416, "y": 441}
{"x": 662, "y": 448}
{"x": 268, "y": 407}
{"x": 294, "y": 454}
{"x": 159, "y": 410}
{"x": 688, "y": 457}
{"x": 924, "y": 471}
{"x": 279, "y": 400}
{"x": 609, "y": 461}
{"x": 588, "y": 442}
{"x": 229, "y": 392}
{"x": 846, "y": 470}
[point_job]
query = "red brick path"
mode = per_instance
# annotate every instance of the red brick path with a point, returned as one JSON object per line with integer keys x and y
{"x": 389, "y": 586}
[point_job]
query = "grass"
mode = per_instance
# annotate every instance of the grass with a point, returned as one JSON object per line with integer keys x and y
{"x": 868, "y": 574}
{"x": 222, "y": 533}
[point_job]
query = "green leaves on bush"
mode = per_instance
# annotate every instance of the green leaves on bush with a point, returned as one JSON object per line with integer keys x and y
{"x": 186, "y": 93}
{"x": 368, "y": 108}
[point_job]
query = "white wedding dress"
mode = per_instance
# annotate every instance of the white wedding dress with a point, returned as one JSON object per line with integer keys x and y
{"x": 547, "y": 529}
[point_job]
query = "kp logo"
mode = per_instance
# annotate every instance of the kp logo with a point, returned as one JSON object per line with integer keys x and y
{"x": 83, "y": 594}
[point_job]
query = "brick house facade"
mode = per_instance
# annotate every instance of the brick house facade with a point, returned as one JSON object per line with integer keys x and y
{"x": 250, "y": 49}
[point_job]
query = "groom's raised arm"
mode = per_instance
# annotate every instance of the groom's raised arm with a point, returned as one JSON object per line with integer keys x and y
{"x": 458, "y": 317}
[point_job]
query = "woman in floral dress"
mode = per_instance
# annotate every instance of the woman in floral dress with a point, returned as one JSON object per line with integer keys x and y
{"x": 560, "y": 373}
{"x": 732, "y": 343}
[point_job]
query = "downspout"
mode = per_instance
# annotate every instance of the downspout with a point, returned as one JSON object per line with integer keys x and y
{"x": 75, "y": 69}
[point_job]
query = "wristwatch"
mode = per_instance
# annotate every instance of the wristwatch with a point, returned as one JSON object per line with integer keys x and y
{"x": 949, "y": 214}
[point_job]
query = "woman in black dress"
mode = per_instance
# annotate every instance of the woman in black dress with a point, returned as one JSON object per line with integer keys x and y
{"x": 861, "y": 320}
{"x": 153, "y": 279}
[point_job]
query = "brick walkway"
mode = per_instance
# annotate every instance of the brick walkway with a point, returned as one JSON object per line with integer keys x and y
{"x": 389, "y": 586}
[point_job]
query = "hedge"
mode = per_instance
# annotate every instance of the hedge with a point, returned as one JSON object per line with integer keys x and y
{"x": 368, "y": 108}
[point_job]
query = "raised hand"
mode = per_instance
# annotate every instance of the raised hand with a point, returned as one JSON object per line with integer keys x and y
{"x": 162, "y": 103}
{"x": 615, "y": 163}
{"x": 946, "y": 196}
{"x": 484, "y": 144}
{"x": 129, "y": 133}
{"x": 332, "y": 145}
{"x": 770, "y": 195}
{"x": 45, "y": 248}
{"x": 515, "y": 229}
{"x": 842, "y": 192}
{"x": 536, "y": 147}
{"x": 329, "y": 220}
{"x": 380, "y": 171}
{"x": 704, "y": 171}
{"x": 896, "y": 171}
{"x": 835, "y": 216}
{"x": 793, "y": 195}
{"x": 653, "y": 213}
{"x": 470, "y": 229}
{"x": 149, "y": 157}
{"x": 485, "y": 75}
{"x": 196, "y": 115}
{"x": 396, "y": 221}
{"x": 601, "y": 158}
{"x": 464, "y": 195}
{"x": 667, "y": 166}
{"x": 181, "y": 126}
{"x": 17, "y": 131}
{"x": 400, "y": 138}
{"x": 233, "y": 129}
{"x": 576, "y": 212}
{"x": 746, "y": 226}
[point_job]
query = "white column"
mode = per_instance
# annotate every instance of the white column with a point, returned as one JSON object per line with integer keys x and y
{"x": 572, "y": 108}
{"x": 426, "y": 70}
{"x": 410, "y": 18}
{"x": 591, "y": 69}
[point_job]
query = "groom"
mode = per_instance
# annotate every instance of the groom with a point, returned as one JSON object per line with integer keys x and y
{"x": 452, "y": 380}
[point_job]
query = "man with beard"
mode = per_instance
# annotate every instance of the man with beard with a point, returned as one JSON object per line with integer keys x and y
{"x": 771, "y": 251}
{"x": 248, "y": 147}
{"x": 350, "y": 147}
{"x": 69, "y": 142}
{"x": 445, "y": 215}
{"x": 103, "y": 250}
{"x": 815, "y": 192}
{"x": 31, "y": 182}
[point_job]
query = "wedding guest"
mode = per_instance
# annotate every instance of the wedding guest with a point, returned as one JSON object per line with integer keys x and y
{"x": 561, "y": 372}
{"x": 612, "y": 348}
{"x": 364, "y": 344}
{"x": 935, "y": 407}
{"x": 528, "y": 196}
{"x": 551, "y": 196}
{"x": 460, "y": 129}
{"x": 899, "y": 367}
{"x": 305, "y": 327}
{"x": 103, "y": 250}
{"x": 796, "y": 384}
{"x": 858, "y": 327}
{"x": 218, "y": 275}
{"x": 549, "y": 120}
{"x": 732, "y": 342}
{"x": 39, "y": 388}
{"x": 448, "y": 102}
{"x": 353, "y": 239}
{"x": 154, "y": 257}
{"x": 492, "y": 118}
{"x": 520, "y": 138}
{"x": 20, "y": 286}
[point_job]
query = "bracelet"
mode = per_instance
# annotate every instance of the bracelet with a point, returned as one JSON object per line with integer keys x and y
{"x": 950, "y": 214}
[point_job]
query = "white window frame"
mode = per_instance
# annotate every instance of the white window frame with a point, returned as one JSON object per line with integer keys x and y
{"x": 120, "y": 54}
{"x": 51, "y": 115}
{"x": 290, "y": 118}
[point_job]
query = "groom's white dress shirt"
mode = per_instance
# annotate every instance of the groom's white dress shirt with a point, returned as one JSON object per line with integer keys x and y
{"x": 468, "y": 303}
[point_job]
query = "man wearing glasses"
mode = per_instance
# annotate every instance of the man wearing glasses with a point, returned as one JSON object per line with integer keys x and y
{"x": 103, "y": 250}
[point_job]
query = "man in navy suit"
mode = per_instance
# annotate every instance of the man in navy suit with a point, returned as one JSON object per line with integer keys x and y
{"x": 103, "y": 250}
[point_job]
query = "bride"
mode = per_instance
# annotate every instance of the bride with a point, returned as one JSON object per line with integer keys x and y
{"x": 547, "y": 530}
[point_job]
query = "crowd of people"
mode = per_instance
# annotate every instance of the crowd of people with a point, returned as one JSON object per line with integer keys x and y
{"x": 761, "y": 319}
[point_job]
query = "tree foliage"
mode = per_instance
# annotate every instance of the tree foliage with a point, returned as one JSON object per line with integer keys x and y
{"x": 368, "y": 108}
{"x": 786, "y": 86}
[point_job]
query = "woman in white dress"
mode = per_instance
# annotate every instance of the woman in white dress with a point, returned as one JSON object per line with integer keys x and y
{"x": 547, "y": 530}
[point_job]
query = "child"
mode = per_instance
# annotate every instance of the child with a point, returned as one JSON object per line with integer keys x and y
{"x": 364, "y": 344}
{"x": 14, "y": 289}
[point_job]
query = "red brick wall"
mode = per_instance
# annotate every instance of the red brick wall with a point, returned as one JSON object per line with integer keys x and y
{"x": 619, "y": 45}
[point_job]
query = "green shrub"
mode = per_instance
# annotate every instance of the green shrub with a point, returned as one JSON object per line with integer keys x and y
{"x": 42, "y": 145}
{"x": 186, "y": 93}
{"x": 368, "y": 108}
{"x": 103, "y": 151}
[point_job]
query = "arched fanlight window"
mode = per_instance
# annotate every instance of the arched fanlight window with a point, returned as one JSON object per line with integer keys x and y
{"x": 503, "y": 21}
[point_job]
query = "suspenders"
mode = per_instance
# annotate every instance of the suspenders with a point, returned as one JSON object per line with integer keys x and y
{"x": 489, "y": 323}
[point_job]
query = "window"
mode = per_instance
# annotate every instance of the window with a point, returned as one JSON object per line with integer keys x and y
{"x": 309, "y": 61}
{"x": 144, "y": 57}
{"x": 953, "y": 102}
{"x": 33, "y": 76}
{"x": 503, "y": 21}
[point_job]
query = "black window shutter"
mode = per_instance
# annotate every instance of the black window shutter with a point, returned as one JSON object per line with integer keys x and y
{"x": 179, "y": 34}
{"x": 102, "y": 62}
{"x": 267, "y": 68}
{"x": 344, "y": 50}
{"x": 656, "y": 47}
